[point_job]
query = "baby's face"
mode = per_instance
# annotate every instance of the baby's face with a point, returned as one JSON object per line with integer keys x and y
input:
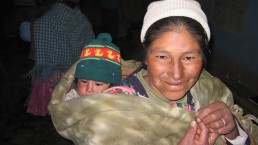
{"x": 89, "y": 87}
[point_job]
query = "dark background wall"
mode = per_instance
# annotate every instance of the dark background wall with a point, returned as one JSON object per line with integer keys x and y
{"x": 234, "y": 44}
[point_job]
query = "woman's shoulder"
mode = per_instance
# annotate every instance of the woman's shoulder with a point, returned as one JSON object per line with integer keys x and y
{"x": 207, "y": 78}
{"x": 209, "y": 82}
{"x": 211, "y": 88}
{"x": 133, "y": 82}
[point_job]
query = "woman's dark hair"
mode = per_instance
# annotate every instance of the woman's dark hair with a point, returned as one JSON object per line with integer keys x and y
{"x": 172, "y": 23}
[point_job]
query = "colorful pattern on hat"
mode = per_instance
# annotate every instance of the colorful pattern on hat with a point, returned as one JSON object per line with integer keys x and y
{"x": 100, "y": 61}
{"x": 103, "y": 53}
{"x": 165, "y": 8}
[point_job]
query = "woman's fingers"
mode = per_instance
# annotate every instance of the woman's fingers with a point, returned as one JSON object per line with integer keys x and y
{"x": 218, "y": 117}
{"x": 204, "y": 133}
{"x": 213, "y": 136}
{"x": 188, "y": 138}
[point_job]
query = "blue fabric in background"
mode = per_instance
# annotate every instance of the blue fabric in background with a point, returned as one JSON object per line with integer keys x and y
{"x": 25, "y": 31}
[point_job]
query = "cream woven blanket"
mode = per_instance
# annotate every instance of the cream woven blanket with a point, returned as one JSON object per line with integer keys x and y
{"x": 116, "y": 119}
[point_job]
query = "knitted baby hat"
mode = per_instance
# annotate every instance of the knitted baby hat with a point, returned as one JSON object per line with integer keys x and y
{"x": 100, "y": 61}
{"x": 166, "y": 8}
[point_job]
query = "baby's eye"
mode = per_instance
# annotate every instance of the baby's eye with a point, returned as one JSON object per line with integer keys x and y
{"x": 100, "y": 84}
{"x": 84, "y": 81}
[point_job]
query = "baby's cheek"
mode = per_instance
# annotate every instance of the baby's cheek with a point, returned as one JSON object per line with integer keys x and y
{"x": 103, "y": 89}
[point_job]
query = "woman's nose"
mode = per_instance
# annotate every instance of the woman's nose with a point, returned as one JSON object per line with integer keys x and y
{"x": 176, "y": 70}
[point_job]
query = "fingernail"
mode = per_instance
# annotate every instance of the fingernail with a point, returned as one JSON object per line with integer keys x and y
{"x": 193, "y": 124}
{"x": 198, "y": 120}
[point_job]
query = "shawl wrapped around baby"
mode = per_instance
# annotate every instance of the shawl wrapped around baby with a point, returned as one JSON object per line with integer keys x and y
{"x": 119, "y": 119}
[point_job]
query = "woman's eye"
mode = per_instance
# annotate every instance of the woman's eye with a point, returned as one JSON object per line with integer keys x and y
{"x": 161, "y": 57}
{"x": 189, "y": 58}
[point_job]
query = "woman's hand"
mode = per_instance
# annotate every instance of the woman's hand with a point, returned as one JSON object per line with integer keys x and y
{"x": 197, "y": 134}
{"x": 212, "y": 135}
{"x": 218, "y": 117}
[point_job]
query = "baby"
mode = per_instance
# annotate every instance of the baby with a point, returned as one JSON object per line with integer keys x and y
{"x": 99, "y": 67}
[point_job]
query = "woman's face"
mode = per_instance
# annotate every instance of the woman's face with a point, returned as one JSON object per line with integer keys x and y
{"x": 174, "y": 63}
{"x": 89, "y": 87}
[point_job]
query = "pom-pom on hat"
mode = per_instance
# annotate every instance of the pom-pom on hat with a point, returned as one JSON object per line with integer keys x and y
{"x": 100, "y": 61}
{"x": 166, "y": 8}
